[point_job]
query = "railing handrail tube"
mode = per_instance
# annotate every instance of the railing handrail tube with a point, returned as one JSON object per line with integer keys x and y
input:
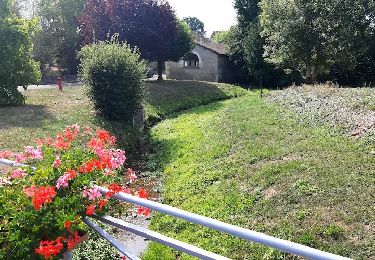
{"x": 117, "y": 244}
{"x": 154, "y": 236}
{"x": 250, "y": 235}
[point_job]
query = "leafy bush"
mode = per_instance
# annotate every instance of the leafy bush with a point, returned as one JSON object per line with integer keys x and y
{"x": 114, "y": 73}
{"x": 41, "y": 208}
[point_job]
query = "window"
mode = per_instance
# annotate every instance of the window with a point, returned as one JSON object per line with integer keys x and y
{"x": 191, "y": 60}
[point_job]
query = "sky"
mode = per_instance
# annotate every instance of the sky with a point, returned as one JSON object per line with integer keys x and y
{"x": 217, "y": 15}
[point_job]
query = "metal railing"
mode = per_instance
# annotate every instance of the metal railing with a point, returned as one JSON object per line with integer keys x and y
{"x": 249, "y": 235}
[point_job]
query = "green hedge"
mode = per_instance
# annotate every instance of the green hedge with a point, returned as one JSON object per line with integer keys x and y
{"x": 114, "y": 73}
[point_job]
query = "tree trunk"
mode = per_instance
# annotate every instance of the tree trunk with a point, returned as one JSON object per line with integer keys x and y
{"x": 160, "y": 70}
{"x": 309, "y": 77}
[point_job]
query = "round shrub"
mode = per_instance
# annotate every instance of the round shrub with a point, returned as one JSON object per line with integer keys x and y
{"x": 114, "y": 73}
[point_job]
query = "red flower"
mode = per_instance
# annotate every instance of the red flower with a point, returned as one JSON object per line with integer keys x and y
{"x": 142, "y": 193}
{"x": 50, "y": 248}
{"x": 42, "y": 196}
{"x": 73, "y": 241}
{"x": 67, "y": 224}
{"x": 90, "y": 210}
{"x": 91, "y": 165}
{"x": 144, "y": 211}
{"x": 95, "y": 144}
{"x": 102, "y": 204}
{"x": 69, "y": 136}
{"x": 103, "y": 135}
{"x": 114, "y": 189}
{"x": 60, "y": 143}
{"x": 46, "y": 141}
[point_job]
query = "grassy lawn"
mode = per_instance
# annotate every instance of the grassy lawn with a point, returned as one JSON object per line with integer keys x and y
{"x": 48, "y": 111}
{"x": 244, "y": 163}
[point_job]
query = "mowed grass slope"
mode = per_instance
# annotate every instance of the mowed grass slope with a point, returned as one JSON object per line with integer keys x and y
{"x": 170, "y": 96}
{"x": 241, "y": 162}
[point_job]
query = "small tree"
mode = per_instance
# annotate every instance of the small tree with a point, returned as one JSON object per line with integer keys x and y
{"x": 114, "y": 73}
{"x": 149, "y": 25}
{"x": 196, "y": 25}
{"x": 17, "y": 68}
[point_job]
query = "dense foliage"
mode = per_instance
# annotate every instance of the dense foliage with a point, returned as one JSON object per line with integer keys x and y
{"x": 196, "y": 25}
{"x": 320, "y": 38}
{"x": 58, "y": 39}
{"x": 114, "y": 73}
{"x": 149, "y": 25}
{"x": 43, "y": 202}
{"x": 246, "y": 47}
{"x": 17, "y": 68}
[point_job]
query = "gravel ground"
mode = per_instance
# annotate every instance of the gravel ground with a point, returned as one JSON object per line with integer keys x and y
{"x": 351, "y": 109}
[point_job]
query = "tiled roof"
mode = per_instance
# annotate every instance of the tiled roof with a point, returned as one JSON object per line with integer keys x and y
{"x": 219, "y": 48}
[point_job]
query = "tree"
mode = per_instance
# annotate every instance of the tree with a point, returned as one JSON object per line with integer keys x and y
{"x": 149, "y": 25}
{"x": 298, "y": 34}
{"x": 17, "y": 68}
{"x": 59, "y": 38}
{"x": 223, "y": 36}
{"x": 246, "y": 46}
{"x": 196, "y": 25}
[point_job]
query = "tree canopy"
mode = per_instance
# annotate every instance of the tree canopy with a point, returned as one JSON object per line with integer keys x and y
{"x": 149, "y": 25}
{"x": 59, "y": 38}
{"x": 196, "y": 25}
{"x": 17, "y": 68}
{"x": 313, "y": 36}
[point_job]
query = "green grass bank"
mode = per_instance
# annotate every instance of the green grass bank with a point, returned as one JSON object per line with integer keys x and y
{"x": 244, "y": 162}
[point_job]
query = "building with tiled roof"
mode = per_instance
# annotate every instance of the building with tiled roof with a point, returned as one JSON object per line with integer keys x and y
{"x": 208, "y": 61}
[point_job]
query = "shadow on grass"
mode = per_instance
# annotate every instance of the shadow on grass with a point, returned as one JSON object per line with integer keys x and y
{"x": 28, "y": 116}
{"x": 170, "y": 97}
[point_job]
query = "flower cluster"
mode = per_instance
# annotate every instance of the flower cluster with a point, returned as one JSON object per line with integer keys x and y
{"x": 50, "y": 248}
{"x": 63, "y": 186}
{"x": 40, "y": 196}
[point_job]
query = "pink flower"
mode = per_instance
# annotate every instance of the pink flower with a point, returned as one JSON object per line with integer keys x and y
{"x": 5, "y": 154}
{"x": 57, "y": 162}
{"x": 19, "y": 173}
{"x": 88, "y": 131}
{"x": 30, "y": 191}
{"x": 34, "y": 153}
{"x": 108, "y": 172}
{"x": 76, "y": 129}
{"x": 20, "y": 158}
{"x": 132, "y": 176}
{"x": 92, "y": 193}
{"x": 63, "y": 181}
{"x": 118, "y": 158}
